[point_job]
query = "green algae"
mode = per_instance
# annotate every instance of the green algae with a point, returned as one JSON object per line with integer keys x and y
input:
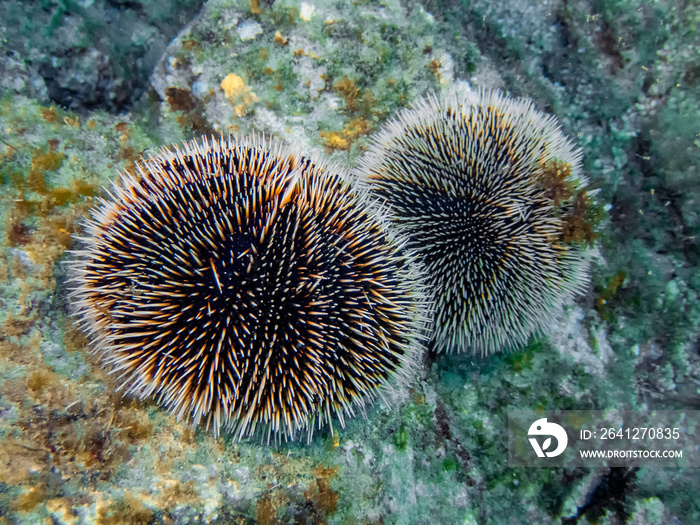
{"x": 438, "y": 453}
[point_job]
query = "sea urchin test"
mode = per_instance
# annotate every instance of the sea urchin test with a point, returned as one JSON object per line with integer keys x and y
{"x": 490, "y": 194}
{"x": 249, "y": 287}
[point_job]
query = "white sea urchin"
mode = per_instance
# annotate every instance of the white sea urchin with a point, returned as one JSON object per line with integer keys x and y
{"x": 489, "y": 193}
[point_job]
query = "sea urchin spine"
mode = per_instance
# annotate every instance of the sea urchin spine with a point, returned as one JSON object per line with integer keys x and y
{"x": 248, "y": 287}
{"x": 490, "y": 194}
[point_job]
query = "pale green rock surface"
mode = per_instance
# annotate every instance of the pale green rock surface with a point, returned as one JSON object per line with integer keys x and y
{"x": 623, "y": 79}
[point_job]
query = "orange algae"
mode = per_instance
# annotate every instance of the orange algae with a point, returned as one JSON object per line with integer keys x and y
{"x": 554, "y": 178}
{"x": 180, "y": 99}
{"x": 360, "y": 106}
{"x": 342, "y": 140}
{"x": 128, "y": 510}
{"x": 317, "y": 502}
{"x": 62, "y": 427}
{"x": 74, "y": 339}
{"x": 266, "y": 514}
{"x": 280, "y": 40}
{"x": 579, "y": 216}
{"x": 334, "y": 140}
{"x": 351, "y": 93}
{"x": 72, "y": 121}
{"x": 43, "y": 162}
{"x": 579, "y": 224}
{"x": 238, "y": 94}
{"x": 190, "y": 44}
{"x": 434, "y": 67}
{"x": 324, "y": 498}
{"x": 50, "y": 115}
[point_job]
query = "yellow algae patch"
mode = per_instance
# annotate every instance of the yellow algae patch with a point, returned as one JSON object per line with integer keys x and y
{"x": 342, "y": 140}
{"x": 280, "y": 40}
{"x": 334, "y": 140}
{"x": 233, "y": 86}
{"x": 238, "y": 94}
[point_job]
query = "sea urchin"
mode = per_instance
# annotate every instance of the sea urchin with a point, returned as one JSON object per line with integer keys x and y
{"x": 489, "y": 192}
{"x": 248, "y": 287}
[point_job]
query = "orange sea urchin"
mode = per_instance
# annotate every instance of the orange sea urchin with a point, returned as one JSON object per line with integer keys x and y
{"x": 248, "y": 287}
{"x": 489, "y": 193}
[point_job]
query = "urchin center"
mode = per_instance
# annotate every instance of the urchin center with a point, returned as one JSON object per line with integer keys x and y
{"x": 231, "y": 262}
